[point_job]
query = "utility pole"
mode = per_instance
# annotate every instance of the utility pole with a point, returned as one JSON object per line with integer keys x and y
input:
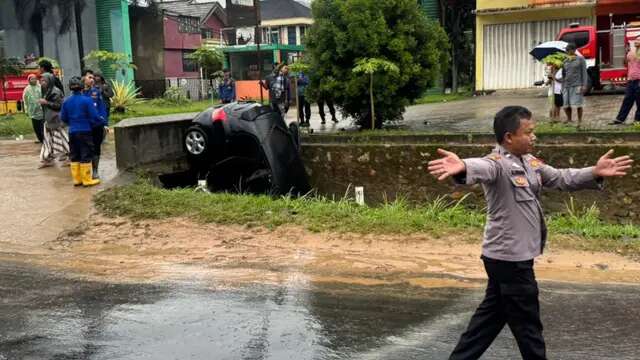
{"x": 258, "y": 37}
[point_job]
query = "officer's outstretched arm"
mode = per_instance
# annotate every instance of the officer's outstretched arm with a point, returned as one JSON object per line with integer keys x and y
{"x": 467, "y": 171}
{"x": 586, "y": 178}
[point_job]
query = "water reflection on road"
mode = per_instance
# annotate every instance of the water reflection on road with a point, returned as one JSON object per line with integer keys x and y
{"x": 49, "y": 316}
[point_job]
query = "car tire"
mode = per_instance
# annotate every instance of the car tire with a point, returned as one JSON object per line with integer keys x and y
{"x": 196, "y": 143}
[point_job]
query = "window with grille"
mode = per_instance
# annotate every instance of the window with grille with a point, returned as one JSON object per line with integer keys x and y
{"x": 187, "y": 24}
{"x": 291, "y": 32}
{"x": 188, "y": 65}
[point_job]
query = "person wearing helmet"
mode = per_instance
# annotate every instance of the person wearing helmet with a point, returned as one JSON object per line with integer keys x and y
{"x": 80, "y": 114}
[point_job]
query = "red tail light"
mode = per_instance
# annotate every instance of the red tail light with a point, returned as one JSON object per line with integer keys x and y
{"x": 218, "y": 115}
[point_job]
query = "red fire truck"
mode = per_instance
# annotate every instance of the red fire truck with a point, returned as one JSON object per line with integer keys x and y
{"x": 11, "y": 90}
{"x": 604, "y": 50}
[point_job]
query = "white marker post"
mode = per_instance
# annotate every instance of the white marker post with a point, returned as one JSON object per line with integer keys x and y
{"x": 360, "y": 195}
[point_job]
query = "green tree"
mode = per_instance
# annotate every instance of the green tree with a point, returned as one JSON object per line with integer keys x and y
{"x": 119, "y": 62}
{"x": 370, "y": 67}
{"x": 458, "y": 20}
{"x": 345, "y": 31}
{"x": 210, "y": 60}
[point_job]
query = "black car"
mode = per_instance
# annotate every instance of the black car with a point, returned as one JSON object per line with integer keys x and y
{"x": 246, "y": 147}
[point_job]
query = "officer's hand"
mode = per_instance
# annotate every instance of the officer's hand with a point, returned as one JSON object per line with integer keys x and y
{"x": 449, "y": 165}
{"x": 608, "y": 166}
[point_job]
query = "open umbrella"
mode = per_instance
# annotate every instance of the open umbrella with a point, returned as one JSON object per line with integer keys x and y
{"x": 549, "y": 48}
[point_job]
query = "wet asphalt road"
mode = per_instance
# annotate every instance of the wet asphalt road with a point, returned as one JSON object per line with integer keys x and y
{"x": 476, "y": 114}
{"x": 45, "y": 315}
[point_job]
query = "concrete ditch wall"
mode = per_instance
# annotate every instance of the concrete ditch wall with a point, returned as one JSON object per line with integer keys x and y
{"x": 392, "y": 166}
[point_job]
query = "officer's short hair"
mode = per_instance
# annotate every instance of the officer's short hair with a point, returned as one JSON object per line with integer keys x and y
{"x": 87, "y": 71}
{"x": 571, "y": 46}
{"x": 508, "y": 119}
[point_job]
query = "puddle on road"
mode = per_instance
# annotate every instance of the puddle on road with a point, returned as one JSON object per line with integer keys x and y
{"x": 49, "y": 316}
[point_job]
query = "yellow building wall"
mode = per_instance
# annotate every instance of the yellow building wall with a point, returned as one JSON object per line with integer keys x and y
{"x": 500, "y": 4}
{"x": 516, "y": 17}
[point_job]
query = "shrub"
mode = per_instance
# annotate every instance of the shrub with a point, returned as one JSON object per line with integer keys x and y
{"x": 396, "y": 31}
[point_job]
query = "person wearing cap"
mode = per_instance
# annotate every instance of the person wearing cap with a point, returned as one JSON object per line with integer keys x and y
{"x": 515, "y": 230}
{"x": 574, "y": 83}
{"x": 30, "y": 96}
{"x": 80, "y": 114}
{"x": 632, "y": 91}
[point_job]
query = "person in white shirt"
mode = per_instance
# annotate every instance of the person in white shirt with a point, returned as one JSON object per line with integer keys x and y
{"x": 554, "y": 80}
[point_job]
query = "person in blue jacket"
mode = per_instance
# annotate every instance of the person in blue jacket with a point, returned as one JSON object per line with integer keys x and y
{"x": 227, "y": 88}
{"x": 99, "y": 130}
{"x": 80, "y": 115}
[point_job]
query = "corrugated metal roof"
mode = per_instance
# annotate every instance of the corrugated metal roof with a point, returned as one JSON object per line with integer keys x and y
{"x": 283, "y": 9}
{"x": 188, "y": 8}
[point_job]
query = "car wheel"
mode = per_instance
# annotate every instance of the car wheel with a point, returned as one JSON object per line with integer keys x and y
{"x": 196, "y": 142}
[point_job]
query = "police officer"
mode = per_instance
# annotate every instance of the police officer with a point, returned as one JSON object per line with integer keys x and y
{"x": 515, "y": 231}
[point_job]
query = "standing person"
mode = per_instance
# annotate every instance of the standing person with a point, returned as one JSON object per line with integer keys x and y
{"x": 47, "y": 67}
{"x": 555, "y": 81}
{"x": 105, "y": 90}
{"x": 632, "y": 92}
{"x": 304, "y": 107}
{"x": 98, "y": 129}
{"x": 574, "y": 84}
{"x": 279, "y": 87}
{"x": 56, "y": 140}
{"x": 515, "y": 232}
{"x": 79, "y": 113}
{"x": 30, "y": 96}
{"x": 227, "y": 88}
{"x": 325, "y": 97}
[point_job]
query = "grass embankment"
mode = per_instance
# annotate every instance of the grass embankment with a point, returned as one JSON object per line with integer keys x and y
{"x": 18, "y": 124}
{"x": 574, "y": 230}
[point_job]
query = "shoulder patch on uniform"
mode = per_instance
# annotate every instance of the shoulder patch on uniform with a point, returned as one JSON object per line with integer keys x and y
{"x": 494, "y": 157}
{"x": 535, "y": 162}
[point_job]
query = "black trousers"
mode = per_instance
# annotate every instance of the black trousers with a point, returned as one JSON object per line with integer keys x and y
{"x": 98, "y": 136}
{"x": 38, "y": 128}
{"x": 511, "y": 298}
{"x": 631, "y": 96}
{"x": 332, "y": 110}
{"x": 81, "y": 147}
{"x": 304, "y": 109}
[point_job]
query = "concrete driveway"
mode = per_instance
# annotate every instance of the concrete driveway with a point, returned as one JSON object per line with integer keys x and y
{"x": 476, "y": 114}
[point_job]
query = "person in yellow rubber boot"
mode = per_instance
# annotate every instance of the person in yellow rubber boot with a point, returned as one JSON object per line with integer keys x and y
{"x": 79, "y": 113}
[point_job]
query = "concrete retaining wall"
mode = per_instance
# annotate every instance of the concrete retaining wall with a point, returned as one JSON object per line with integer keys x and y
{"x": 152, "y": 143}
{"x": 392, "y": 166}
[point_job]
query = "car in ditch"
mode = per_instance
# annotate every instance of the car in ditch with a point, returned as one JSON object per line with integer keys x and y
{"x": 246, "y": 147}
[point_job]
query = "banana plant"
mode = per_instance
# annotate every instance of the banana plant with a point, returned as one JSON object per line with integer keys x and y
{"x": 370, "y": 66}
